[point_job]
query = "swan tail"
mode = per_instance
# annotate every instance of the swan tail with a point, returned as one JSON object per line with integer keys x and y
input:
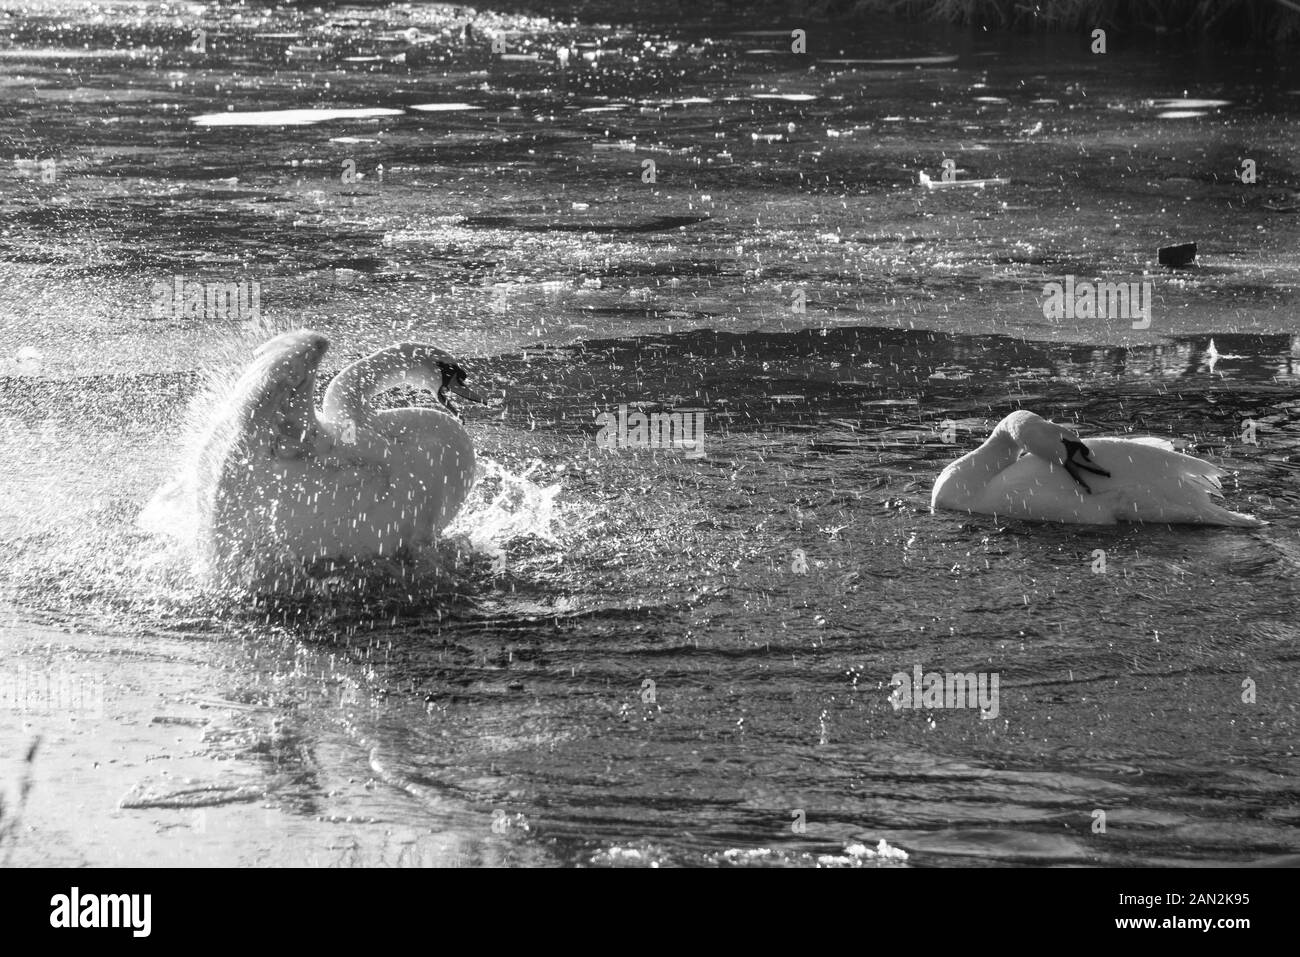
{"x": 1200, "y": 508}
{"x": 1241, "y": 520}
{"x": 1196, "y": 500}
{"x": 1212, "y": 513}
{"x": 1209, "y": 511}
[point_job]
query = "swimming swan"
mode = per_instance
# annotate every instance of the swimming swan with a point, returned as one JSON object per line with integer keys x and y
{"x": 1029, "y": 468}
{"x": 279, "y": 484}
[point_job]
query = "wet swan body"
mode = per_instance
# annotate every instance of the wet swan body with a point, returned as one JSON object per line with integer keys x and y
{"x": 1033, "y": 469}
{"x": 278, "y": 484}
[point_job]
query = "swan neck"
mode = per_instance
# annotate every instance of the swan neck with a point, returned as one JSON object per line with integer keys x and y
{"x": 350, "y": 392}
{"x": 998, "y": 452}
{"x": 1001, "y": 441}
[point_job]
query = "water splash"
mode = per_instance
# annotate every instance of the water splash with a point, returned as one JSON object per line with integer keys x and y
{"x": 505, "y": 507}
{"x": 172, "y": 514}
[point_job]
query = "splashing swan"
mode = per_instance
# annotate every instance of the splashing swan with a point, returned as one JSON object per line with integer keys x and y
{"x": 1028, "y": 469}
{"x": 278, "y": 484}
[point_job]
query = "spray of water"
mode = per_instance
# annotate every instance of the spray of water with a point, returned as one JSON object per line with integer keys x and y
{"x": 504, "y": 507}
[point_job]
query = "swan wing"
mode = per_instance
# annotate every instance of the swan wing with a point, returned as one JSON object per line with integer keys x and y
{"x": 1153, "y": 441}
{"x": 273, "y": 400}
{"x": 267, "y": 421}
{"x": 1150, "y": 482}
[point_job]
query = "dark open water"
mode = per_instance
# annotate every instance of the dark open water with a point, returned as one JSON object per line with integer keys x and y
{"x": 400, "y": 725}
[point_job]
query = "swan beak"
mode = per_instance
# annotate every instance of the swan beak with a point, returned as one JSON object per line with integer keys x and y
{"x": 1074, "y": 445}
{"x": 1072, "y": 467}
{"x": 465, "y": 392}
{"x": 453, "y": 381}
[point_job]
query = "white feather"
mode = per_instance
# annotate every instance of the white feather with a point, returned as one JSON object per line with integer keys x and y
{"x": 1148, "y": 482}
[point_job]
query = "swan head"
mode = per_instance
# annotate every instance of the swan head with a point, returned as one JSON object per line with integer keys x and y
{"x": 1047, "y": 440}
{"x": 425, "y": 366}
